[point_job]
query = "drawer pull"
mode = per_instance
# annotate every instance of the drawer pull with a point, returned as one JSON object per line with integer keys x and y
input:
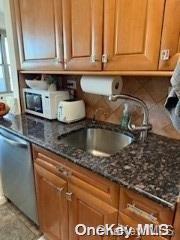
{"x": 63, "y": 171}
{"x": 139, "y": 212}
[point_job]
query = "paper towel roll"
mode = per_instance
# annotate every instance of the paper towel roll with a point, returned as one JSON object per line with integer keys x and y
{"x": 102, "y": 85}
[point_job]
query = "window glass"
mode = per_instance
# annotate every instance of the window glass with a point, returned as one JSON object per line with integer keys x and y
{"x": 5, "y": 67}
{"x": 7, "y": 50}
{"x": 0, "y": 55}
{"x": 10, "y": 76}
{"x": 2, "y": 82}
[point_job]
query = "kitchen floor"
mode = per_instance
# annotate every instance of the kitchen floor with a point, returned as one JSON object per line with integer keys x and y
{"x": 15, "y": 226}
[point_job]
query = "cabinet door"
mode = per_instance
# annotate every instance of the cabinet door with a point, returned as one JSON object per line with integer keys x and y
{"x": 86, "y": 209}
{"x": 82, "y": 30}
{"x": 132, "y": 34}
{"x": 52, "y": 204}
{"x": 170, "y": 36}
{"x": 39, "y": 28}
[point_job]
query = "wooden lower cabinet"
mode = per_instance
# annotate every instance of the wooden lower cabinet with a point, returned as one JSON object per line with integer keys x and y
{"x": 52, "y": 205}
{"x": 177, "y": 222}
{"x": 68, "y": 194}
{"x": 135, "y": 209}
{"x": 89, "y": 210}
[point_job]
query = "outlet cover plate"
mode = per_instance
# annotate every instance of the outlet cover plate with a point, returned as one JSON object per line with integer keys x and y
{"x": 71, "y": 84}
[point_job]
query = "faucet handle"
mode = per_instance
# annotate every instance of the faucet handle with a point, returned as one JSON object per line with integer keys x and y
{"x": 143, "y": 127}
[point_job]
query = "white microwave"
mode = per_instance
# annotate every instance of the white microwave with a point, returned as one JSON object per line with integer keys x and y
{"x": 43, "y": 103}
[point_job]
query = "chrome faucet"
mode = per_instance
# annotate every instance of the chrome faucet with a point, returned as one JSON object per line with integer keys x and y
{"x": 145, "y": 125}
{"x": 96, "y": 112}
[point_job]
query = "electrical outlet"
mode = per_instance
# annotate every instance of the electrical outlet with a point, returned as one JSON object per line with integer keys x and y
{"x": 71, "y": 84}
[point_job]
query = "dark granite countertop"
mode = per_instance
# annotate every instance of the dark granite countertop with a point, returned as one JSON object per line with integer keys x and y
{"x": 151, "y": 168}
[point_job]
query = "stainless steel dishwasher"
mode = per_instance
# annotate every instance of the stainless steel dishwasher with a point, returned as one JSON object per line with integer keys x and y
{"x": 16, "y": 170}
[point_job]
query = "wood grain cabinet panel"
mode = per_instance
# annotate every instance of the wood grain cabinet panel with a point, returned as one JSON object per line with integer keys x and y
{"x": 86, "y": 209}
{"x": 171, "y": 35}
{"x": 39, "y": 28}
{"x": 68, "y": 194}
{"x": 132, "y": 34}
{"x": 135, "y": 209}
{"x": 177, "y": 222}
{"x": 82, "y": 31}
{"x": 52, "y": 204}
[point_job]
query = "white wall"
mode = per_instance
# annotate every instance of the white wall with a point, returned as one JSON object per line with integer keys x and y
{"x": 5, "y": 9}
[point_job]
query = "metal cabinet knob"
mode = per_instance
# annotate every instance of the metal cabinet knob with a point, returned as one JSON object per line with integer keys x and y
{"x": 69, "y": 196}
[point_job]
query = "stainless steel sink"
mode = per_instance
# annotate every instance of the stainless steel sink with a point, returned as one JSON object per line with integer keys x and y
{"x": 97, "y": 141}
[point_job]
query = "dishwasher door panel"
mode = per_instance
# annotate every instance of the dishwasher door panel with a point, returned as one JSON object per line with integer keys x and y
{"x": 17, "y": 173}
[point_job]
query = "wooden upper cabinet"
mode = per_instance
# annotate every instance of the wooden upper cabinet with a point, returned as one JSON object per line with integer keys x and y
{"x": 82, "y": 31}
{"x": 39, "y": 28}
{"x": 132, "y": 34}
{"x": 170, "y": 44}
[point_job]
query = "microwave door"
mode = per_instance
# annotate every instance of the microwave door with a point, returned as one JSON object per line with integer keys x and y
{"x": 29, "y": 101}
{"x": 34, "y": 102}
{"x": 38, "y": 104}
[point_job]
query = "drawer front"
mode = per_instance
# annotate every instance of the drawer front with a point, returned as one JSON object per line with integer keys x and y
{"x": 81, "y": 177}
{"x": 130, "y": 222}
{"x": 142, "y": 209}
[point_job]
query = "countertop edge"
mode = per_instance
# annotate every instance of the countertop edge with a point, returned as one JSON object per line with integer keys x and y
{"x": 135, "y": 189}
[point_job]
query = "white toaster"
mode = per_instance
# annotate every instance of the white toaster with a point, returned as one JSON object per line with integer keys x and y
{"x": 71, "y": 111}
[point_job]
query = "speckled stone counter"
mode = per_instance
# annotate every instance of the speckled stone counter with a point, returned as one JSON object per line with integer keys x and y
{"x": 151, "y": 168}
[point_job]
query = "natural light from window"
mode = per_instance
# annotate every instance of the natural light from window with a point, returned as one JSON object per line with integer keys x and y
{"x": 5, "y": 71}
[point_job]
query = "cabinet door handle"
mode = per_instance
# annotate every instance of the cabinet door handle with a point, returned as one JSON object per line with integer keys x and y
{"x": 94, "y": 59}
{"x": 104, "y": 58}
{"x": 63, "y": 171}
{"x": 53, "y": 186}
{"x": 69, "y": 196}
{"x": 165, "y": 54}
{"x": 60, "y": 189}
{"x": 142, "y": 213}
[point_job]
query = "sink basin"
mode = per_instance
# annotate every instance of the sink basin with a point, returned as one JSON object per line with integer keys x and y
{"x": 97, "y": 141}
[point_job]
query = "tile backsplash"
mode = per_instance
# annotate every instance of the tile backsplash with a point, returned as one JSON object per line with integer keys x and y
{"x": 153, "y": 90}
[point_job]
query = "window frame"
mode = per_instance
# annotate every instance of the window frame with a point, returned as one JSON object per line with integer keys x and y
{"x": 5, "y": 66}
